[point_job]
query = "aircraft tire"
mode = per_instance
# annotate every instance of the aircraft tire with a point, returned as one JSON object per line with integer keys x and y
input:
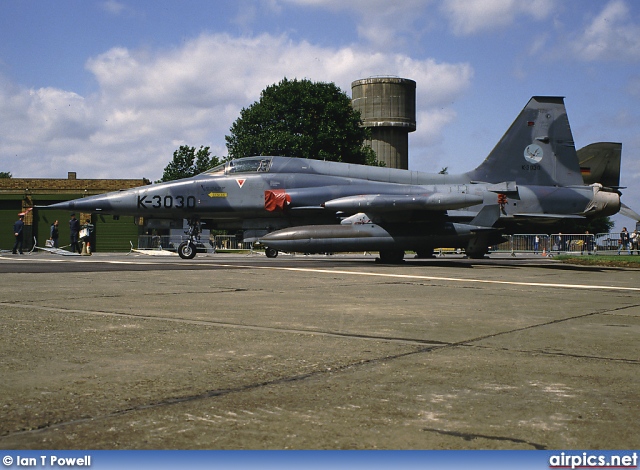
{"x": 426, "y": 253}
{"x": 271, "y": 252}
{"x": 187, "y": 250}
{"x": 391, "y": 256}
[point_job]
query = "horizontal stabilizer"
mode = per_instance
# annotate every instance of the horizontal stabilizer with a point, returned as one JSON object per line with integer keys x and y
{"x": 600, "y": 163}
{"x": 487, "y": 216}
{"x": 628, "y": 212}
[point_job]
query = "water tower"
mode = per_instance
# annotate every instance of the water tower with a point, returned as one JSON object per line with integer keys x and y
{"x": 387, "y": 106}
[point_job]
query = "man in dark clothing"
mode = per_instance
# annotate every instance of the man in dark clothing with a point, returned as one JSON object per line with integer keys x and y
{"x": 54, "y": 234}
{"x": 74, "y": 228}
{"x": 624, "y": 241}
{"x": 18, "y": 232}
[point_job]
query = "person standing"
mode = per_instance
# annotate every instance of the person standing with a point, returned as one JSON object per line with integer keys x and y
{"x": 18, "y": 232}
{"x": 585, "y": 243}
{"x": 74, "y": 228}
{"x": 624, "y": 241}
{"x": 635, "y": 242}
{"x": 54, "y": 234}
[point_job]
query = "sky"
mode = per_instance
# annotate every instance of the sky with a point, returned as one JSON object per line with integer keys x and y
{"x": 111, "y": 88}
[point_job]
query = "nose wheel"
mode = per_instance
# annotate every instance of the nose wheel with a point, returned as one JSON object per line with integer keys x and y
{"x": 187, "y": 250}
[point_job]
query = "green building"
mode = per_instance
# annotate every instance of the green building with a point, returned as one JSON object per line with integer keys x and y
{"x": 21, "y": 195}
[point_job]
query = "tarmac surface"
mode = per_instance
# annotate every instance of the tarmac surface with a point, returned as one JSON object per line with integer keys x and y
{"x": 226, "y": 351}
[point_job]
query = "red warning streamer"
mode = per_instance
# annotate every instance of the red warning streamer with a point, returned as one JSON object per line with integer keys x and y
{"x": 276, "y": 200}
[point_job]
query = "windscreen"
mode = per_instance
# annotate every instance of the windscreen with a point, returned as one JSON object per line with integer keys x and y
{"x": 249, "y": 165}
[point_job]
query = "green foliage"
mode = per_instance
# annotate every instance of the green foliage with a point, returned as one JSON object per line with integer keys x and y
{"x": 299, "y": 118}
{"x": 5, "y": 174}
{"x": 623, "y": 261}
{"x": 596, "y": 225}
{"x": 187, "y": 162}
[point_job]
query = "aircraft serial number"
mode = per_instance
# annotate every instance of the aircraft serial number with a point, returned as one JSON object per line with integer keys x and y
{"x": 166, "y": 202}
{"x": 531, "y": 167}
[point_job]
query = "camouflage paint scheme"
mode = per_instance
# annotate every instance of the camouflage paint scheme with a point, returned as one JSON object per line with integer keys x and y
{"x": 531, "y": 177}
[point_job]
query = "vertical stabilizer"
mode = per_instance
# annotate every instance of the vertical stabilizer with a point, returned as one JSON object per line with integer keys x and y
{"x": 600, "y": 163}
{"x": 537, "y": 149}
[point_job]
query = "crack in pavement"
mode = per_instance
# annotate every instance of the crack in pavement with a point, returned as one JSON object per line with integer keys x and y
{"x": 472, "y": 436}
{"x": 425, "y": 347}
{"x": 212, "y": 394}
{"x": 392, "y": 339}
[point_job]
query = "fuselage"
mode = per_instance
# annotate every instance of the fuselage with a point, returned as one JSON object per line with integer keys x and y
{"x": 531, "y": 177}
{"x": 284, "y": 192}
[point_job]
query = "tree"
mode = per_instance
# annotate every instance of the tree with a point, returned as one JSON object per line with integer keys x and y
{"x": 299, "y": 118}
{"x": 596, "y": 225}
{"x": 5, "y": 174}
{"x": 186, "y": 163}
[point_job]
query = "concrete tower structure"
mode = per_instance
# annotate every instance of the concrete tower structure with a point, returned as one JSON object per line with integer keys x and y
{"x": 387, "y": 105}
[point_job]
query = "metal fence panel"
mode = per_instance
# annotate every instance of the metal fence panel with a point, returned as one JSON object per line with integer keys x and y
{"x": 171, "y": 242}
{"x": 573, "y": 243}
{"x": 535, "y": 243}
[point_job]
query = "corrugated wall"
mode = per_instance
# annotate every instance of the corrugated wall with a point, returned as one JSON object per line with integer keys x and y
{"x": 114, "y": 235}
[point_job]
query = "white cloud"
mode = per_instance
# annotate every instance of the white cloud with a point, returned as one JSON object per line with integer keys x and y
{"x": 475, "y": 16}
{"x": 384, "y": 24}
{"x": 150, "y": 102}
{"x": 611, "y": 35}
{"x": 633, "y": 87}
{"x": 116, "y": 8}
{"x": 112, "y": 6}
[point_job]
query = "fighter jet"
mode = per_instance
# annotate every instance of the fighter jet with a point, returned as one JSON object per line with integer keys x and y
{"x": 531, "y": 178}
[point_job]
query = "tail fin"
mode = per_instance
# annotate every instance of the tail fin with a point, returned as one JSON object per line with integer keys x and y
{"x": 487, "y": 217}
{"x": 600, "y": 163}
{"x": 537, "y": 149}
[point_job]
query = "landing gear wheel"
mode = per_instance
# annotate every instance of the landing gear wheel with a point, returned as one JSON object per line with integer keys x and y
{"x": 426, "y": 253}
{"x": 187, "y": 250}
{"x": 271, "y": 252}
{"x": 391, "y": 256}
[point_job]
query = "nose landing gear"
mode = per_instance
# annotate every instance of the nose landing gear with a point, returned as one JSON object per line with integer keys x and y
{"x": 187, "y": 249}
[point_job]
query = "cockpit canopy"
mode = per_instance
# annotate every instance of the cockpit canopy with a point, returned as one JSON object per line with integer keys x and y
{"x": 242, "y": 165}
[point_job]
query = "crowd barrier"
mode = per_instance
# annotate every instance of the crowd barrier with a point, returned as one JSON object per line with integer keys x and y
{"x": 582, "y": 243}
{"x": 171, "y": 243}
{"x": 573, "y": 243}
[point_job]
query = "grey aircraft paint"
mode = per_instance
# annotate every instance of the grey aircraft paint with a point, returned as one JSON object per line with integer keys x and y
{"x": 532, "y": 176}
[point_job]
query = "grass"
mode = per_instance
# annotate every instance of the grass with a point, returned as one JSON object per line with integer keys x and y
{"x": 622, "y": 261}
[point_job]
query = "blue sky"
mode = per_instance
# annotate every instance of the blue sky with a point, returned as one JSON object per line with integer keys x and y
{"x": 112, "y": 88}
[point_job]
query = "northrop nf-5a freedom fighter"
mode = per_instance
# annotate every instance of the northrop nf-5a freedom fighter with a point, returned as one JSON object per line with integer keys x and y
{"x": 531, "y": 177}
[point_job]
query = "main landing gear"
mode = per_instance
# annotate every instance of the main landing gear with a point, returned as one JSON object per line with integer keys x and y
{"x": 391, "y": 256}
{"x": 270, "y": 252}
{"x": 187, "y": 249}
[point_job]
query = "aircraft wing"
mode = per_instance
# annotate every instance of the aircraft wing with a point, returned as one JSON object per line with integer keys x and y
{"x": 550, "y": 217}
{"x": 381, "y": 203}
